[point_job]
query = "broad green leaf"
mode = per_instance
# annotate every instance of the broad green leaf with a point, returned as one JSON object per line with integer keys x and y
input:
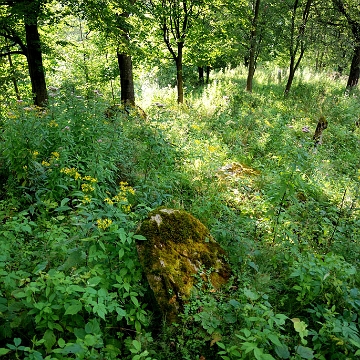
{"x": 61, "y": 342}
{"x": 282, "y": 352}
{"x": 137, "y": 345}
{"x": 17, "y": 341}
{"x": 251, "y": 295}
{"x": 4, "y": 351}
{"x": 274, "y": 339}
{"x": 49, "y": 340}
{"x": 305, "y": 352}
{"x": 74, "y": 308}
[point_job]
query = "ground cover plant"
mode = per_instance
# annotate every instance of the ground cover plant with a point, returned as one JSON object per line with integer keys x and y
{"x": 75, "y": 184}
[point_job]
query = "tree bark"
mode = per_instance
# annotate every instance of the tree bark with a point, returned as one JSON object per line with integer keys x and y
{"x": 126, "y": 79}
{"x": 252, "y": 52}
{"x": 179, "y": 73}
{"x": 35, "y": 63}
{"x": 354, "y": 69}
{"x": 208, "y": 69}
{"x": 201, "y": 75}
{"x": 13, "y": 78}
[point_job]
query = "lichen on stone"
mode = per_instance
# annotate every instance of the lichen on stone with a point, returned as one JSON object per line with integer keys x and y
{"x": 177, "y": 246}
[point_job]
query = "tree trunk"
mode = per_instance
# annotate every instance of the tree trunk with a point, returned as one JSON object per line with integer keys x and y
{"x": 35, "y": 63}
{"x": 297, "y": 43}
{"x": 208, "y": 69}
{"x": 289, "y": 81}
{"x": 252, "y": 52}
{"x": 201, "y": 75}
{"x": 126, "y": 79}
{"x": 354, "y": 69}
{"x": 179, "y": 73}
{"x": 13, "y": 78}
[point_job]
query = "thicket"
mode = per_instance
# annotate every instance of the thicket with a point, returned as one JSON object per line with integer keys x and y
{"x": 75, "y": 184}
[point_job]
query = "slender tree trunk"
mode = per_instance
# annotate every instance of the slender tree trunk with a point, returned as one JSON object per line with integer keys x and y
{"x": 208, "y": 69}
{"x": 289, "y": 81}
{"x": 201, "y": 75}
{"x": 354, "y": 69}
{"x": 13, "y": 78}
{"x": 297, "y": 42}
{"x": 179, "y": 73}
{"x": 252, "y": 52}
{"x": 126, "y": 79}
{"x": 35, "y": 63}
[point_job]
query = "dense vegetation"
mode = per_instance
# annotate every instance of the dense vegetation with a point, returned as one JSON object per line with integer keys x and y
{"x": 234, "y": 147}
{"x": 75, "y": 184}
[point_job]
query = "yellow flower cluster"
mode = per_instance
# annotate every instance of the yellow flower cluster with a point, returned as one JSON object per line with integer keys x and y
{"x": 104, "y": 223}
{"x": 86, "y": 199}
{"x": 87, "y": 188}
{"x": 89, "y": 178}
{"x": 35, "y": 153}
{"x": 71, "y": 172}
{"x": 55, "y": 155}
{"x": 121, "y": 197}
{"x": 53, "y": 123}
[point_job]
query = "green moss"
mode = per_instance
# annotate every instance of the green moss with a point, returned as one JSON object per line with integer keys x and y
{"x": 177, "y": 246}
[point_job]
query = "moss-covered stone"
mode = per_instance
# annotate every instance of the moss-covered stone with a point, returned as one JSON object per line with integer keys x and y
{"x": 177, "y": 247}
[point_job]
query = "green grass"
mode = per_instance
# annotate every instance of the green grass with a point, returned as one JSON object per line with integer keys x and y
{"x": 242, "y": 163}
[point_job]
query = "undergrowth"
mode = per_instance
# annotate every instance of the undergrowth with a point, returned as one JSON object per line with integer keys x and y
{"x": 75, "y": 184}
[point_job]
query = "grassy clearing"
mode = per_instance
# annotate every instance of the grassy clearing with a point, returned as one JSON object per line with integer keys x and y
{"x": 75, "y": 184}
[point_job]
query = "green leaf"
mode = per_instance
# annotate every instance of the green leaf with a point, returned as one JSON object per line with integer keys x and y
{"x": 17, "y": 341}
{"x": 49, "y": 340}
{"x": 300, "y": 327}
{"x": 251, "y": 295}
{"x": 135, "y": 301}
{"x": 121, "y": 253}
{"x": 94, "y": 281}
{"x": 305, "y": 352}
{"x": 274, "y": 339}
{"x": 282, "y": 352}
{"x": 137, "y": 345}
{"x": 61, "y": 342}
{"x": 74, "y": 308}
{"x": 3, "y": 351}
{"x": 139, "y": 237}
{"x": 40, "y": 267}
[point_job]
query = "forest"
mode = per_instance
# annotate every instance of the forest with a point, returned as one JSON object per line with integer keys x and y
{"x": 245, "y": 114}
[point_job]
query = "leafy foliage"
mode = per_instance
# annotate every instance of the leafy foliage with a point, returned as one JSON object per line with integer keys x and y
{"x": 75, "y": 184}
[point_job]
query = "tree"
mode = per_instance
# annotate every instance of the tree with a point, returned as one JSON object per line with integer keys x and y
{"x": 175, "y": 18}
{"x": 351, "y": 12}
{"x": 297, "y": 43}
{"x": 111, "y": 18}
{"x": 253, "y": 45}
{"x": 27, "y": 12}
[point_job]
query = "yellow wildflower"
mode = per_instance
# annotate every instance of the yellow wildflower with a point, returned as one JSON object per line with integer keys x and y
{"x": 87, "y": 188}
{"x": 53, "y": 123}
{"x": 89, "y": 178}
{"x": 71, "y": 172}
{"x": 109, "y": 201}
{"x": 104, "y": 223}
{"x": 45, "y": 163}
{"x": 35, "y": 153}
{"x": 56, "y": 155}
{"x": 86, "y": 199}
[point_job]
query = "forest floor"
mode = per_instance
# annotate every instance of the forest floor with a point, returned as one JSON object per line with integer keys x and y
{"x": 75, "y": 184}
